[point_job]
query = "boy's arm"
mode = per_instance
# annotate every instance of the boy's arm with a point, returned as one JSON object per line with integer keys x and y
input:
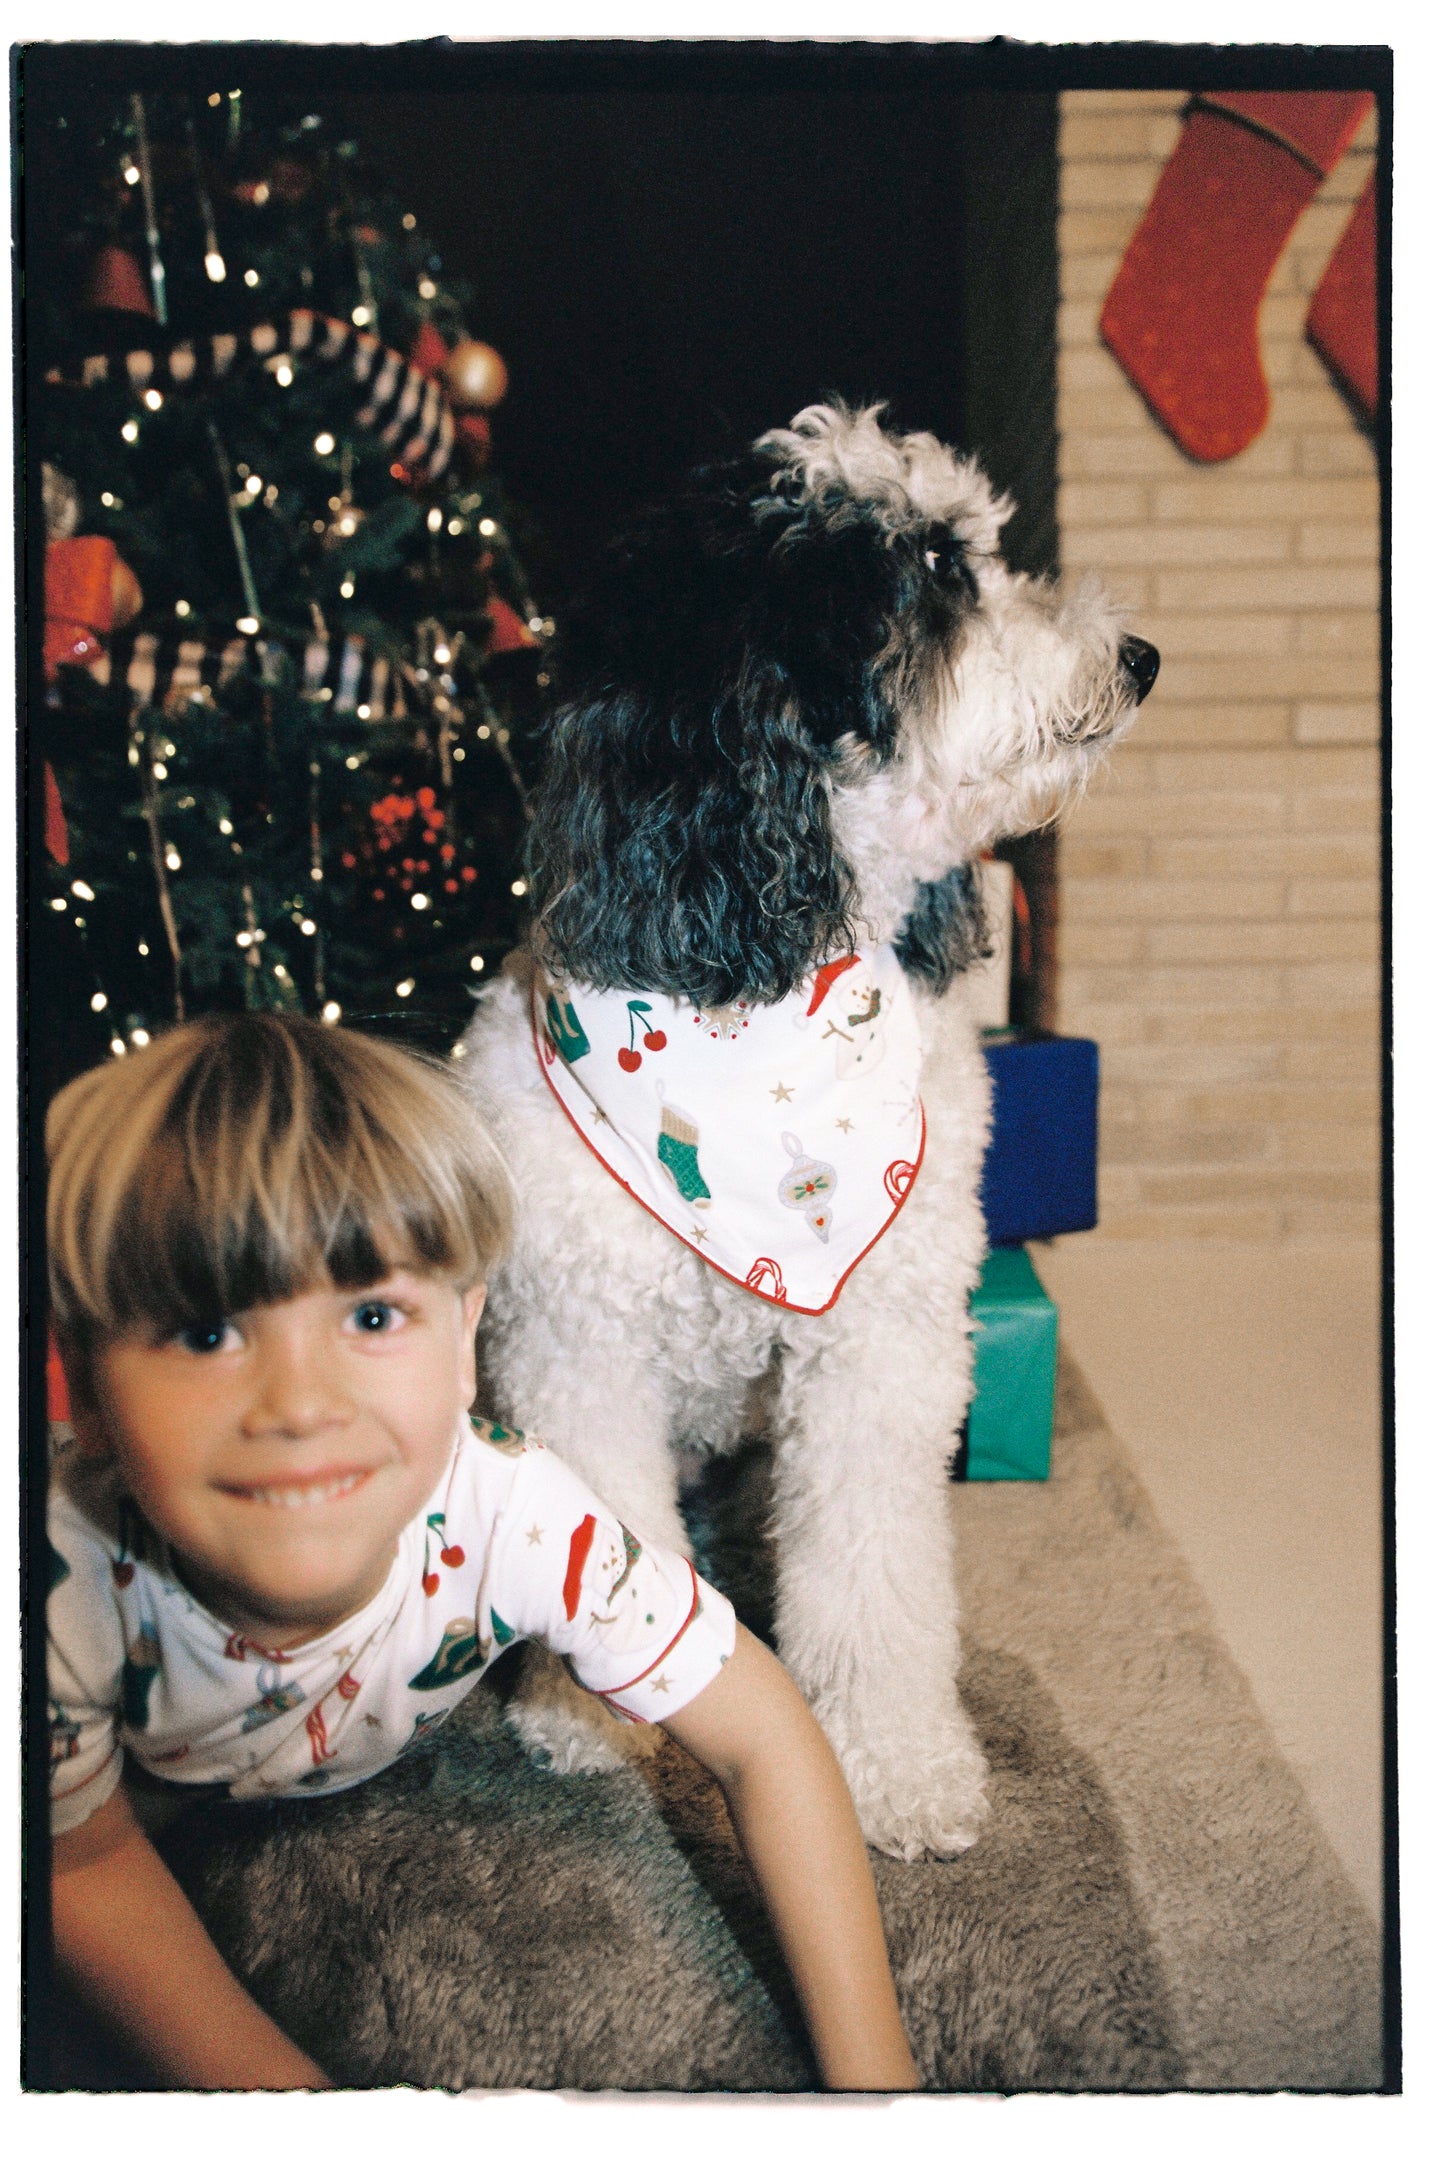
{"x": 794, "y": 1818}
{"x": 130, "y": 1941}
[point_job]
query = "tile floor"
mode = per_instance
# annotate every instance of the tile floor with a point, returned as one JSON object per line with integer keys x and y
{"x": 1244, "y": 1380}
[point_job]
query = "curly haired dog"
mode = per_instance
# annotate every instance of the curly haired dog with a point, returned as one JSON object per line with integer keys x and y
{"x": 806, "y": 694}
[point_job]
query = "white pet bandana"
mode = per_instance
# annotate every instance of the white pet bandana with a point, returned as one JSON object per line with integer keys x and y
{"x": 777, "y": 1141}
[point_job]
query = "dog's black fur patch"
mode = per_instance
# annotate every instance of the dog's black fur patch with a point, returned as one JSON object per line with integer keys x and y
{"x": 947, "y": 928}
{"x": 739, "y": 645}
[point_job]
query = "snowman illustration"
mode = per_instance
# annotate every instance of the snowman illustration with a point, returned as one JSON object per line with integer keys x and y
{"x": 859, "y": 1028}
{"x": 616, "y": 1586}
{"x": 854, "y": 1010}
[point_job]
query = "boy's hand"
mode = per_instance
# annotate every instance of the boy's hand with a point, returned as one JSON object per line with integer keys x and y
{"x": 795, "y": 1821}
{"x": 129, "y": 1940}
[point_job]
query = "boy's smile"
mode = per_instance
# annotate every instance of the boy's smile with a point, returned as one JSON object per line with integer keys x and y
{"x": 281, "y": 1451}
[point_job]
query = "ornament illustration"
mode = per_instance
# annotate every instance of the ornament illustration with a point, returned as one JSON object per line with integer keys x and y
{"x": 677, "y": 1145}
{"x": 809, "y": 1185}
{"x": 277, "y": 1697}
{"x": 653, "y": 1038}
{"x": 566, "y": 1030}
{"x": 458, "y": 1653}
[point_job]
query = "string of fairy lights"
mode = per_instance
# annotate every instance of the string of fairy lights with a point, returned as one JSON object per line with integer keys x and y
{"x": 427, "y": 683}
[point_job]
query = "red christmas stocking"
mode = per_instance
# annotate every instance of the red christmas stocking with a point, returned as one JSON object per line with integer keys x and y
{"x": 1182, "y": 316}
{"x": 1341, "y": 320}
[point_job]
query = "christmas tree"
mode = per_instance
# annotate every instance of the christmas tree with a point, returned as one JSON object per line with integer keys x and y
{"x": 291, "y": 654}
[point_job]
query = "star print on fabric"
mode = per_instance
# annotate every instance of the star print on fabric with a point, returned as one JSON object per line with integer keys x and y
{"x": 534, "y": 1535}
{"x": 700, "y": 1235}
{"x": 782, "y": 1094}
{"x": 844, "y": 1124}
{"x": 662, "y": 1685}
{"x": 599, "y": 1117}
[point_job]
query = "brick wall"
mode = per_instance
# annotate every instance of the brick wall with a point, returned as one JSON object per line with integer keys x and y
{"x": 1218, "y": 895}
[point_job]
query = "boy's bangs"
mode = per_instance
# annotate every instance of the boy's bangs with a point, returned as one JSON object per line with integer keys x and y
{"x": 173, "y": 1265}
{"x": 263, "y": 1159}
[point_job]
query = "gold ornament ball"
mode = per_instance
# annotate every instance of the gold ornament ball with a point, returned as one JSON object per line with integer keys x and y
{"x": 476, "y": 374}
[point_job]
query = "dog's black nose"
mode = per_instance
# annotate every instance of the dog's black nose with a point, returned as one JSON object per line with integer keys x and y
{"x": 1142, "y": 661}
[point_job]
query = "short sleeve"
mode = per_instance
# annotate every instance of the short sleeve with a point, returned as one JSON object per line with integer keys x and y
{"x": 636, "y": 1623}
{"x": 85, "y": 1656}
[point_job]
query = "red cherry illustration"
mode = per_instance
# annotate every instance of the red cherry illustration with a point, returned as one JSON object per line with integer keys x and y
{"x": 124, "y": 1570}
{"x": 452, "y": 1556}
{"x": 655, "y": 1039}
{"x": 431, "y": 1584}
{"x": 629, "y": 1060}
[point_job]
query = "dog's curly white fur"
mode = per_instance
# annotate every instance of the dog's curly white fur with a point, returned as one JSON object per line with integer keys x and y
{"x": 810, "y": 694}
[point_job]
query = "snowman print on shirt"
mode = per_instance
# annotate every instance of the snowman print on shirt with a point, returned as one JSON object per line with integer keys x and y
{"x": 615, "y": 1585}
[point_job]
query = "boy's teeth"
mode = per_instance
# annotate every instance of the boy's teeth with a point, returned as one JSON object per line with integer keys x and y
{"x": 294, "y": 1496}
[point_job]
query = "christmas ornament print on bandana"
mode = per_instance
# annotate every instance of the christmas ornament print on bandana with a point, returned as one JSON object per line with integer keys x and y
{"x": 777, "y": 1141}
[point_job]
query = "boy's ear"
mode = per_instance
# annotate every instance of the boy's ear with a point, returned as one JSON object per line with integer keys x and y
{"x": 472, "y": 1302}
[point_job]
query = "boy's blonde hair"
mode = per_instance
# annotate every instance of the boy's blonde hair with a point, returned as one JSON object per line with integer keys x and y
{"x": 240, "y": 1160}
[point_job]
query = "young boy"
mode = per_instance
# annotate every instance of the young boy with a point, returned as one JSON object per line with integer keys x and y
{"x": 281, "y": 1548}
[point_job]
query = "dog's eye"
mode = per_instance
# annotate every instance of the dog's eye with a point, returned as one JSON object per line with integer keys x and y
{"x": 946, "y": 558}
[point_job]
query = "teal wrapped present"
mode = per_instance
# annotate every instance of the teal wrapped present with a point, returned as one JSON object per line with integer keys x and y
{"x": 1016, "y": 1339}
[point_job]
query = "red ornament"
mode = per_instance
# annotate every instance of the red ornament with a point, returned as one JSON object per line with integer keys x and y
{"x": 429, "y": 353}
{"x": 474, "y": 434}
{"x": 1182, "y": 316}
{"x": 89, "y": 592}
{"x": 116, "y": 281}
{"x": 509, "y": 632}
{"x": 57, "y": 835}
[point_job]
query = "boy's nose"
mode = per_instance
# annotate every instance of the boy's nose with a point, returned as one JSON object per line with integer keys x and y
{"x": 297, "y": 1393}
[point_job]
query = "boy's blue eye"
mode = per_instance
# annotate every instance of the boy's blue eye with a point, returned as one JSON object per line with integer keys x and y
{"x": 206, "y": 1335}
{"x": 374, "y": 1317}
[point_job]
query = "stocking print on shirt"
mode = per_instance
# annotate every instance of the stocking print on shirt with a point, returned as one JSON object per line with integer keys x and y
{"x": 776, "y": 1141}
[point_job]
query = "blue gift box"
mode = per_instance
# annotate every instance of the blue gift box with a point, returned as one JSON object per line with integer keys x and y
{"x": 1040, "y": 1174}
{"x": 1010, "y": 1422}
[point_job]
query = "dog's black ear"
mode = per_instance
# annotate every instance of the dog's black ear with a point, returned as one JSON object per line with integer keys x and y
{"x": 947, "y": 928}
{"x": 681, "y": 839}
{"x": 683, "y": 851}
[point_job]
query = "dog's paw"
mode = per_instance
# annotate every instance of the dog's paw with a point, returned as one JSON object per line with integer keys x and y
{"x": 557, "y": 1737}
{"x": 566, "y": 1729}
{"x": 914, "y": 1796}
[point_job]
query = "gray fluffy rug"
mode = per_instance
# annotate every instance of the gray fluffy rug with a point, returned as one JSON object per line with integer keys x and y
{"x": 1151, "y": 1906}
